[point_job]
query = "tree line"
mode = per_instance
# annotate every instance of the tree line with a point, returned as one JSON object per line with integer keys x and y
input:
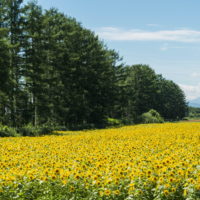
{"x": 53, "y": 70}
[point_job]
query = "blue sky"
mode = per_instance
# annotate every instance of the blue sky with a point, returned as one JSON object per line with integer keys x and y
{"x": 163, "y": 34}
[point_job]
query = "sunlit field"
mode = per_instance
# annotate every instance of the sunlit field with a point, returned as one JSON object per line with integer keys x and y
{"x": 157, "y": 161}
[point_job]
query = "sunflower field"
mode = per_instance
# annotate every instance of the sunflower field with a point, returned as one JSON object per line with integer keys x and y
{"x": 143, "y": 162}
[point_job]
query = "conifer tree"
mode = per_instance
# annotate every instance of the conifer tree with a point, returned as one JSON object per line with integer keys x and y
{"x": 12, "y": 22}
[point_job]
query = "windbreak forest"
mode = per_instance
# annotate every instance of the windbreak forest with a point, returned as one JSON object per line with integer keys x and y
{"x": 54, "y": 71}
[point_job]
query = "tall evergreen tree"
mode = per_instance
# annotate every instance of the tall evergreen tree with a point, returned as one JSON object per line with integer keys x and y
{"x": 12, "y": 21}
{"x": 171, "y": 102}
{"x": 141, "y": 90}
{"x": 5, "y": 82}
{"x": 52, "y": 70}
{"x": 33, "y": 70}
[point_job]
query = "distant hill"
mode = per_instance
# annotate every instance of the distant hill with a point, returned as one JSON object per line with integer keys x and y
{"x": 195, "y": 103}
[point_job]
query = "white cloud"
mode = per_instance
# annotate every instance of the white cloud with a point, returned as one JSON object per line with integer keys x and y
{"x": 179, "y": 35}
{"x": 191, "y": 91}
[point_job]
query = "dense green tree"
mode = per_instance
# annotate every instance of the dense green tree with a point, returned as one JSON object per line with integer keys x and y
{"x": 58, "y": 31}
{"x": 12, "y": 22}
{"x": 53, "y": 70}
{"x": 5, "y": 82}
{"x": 33, "y": 70}
{"x": 140, "y": 91}
{"x": 122, "y": 105}
{"x": 171, "y": 102}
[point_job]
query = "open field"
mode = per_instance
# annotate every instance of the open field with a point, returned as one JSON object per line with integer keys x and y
{"x": 157, "y": 161}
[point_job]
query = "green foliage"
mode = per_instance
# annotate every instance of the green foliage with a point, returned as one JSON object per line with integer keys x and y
{"x": 111, "y": 122}
{"x": 30, "y": 130}
{"x": 171, "y": 101}
{"x": 141, "y": 80}
{"x": 48, "y": 190}
{"x": 83, "y": 126}
{"x": 5, "y": 80}
{"x": 6, "y": 131}
{"x": 151, "y": 117}
{"x": 53, "y": 69}
{"x": 76, "y": 190}
{"x": 138, "y": 91}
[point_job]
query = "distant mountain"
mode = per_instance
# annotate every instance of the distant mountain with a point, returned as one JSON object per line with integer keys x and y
{"x": 195, "y": 103}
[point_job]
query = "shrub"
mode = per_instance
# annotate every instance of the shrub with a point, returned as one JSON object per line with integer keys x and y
{"x": 112, "y": 122}
{"x": 6, "y": 131}
{"x": 151, "y": 117}
{"x": 45, "y": 129}
{"x": 29, "y": 130}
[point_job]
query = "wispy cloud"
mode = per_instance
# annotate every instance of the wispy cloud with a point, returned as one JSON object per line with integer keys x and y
{"x": 153, "y": 25}
{"x": 179, "y": 35}
{"x": 164, "y": 47}
{"x": 167, "y": 46}
{"x": 191, "y": 91}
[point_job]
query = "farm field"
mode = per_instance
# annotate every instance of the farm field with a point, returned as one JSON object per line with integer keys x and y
{"x": 155, "y": 161}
